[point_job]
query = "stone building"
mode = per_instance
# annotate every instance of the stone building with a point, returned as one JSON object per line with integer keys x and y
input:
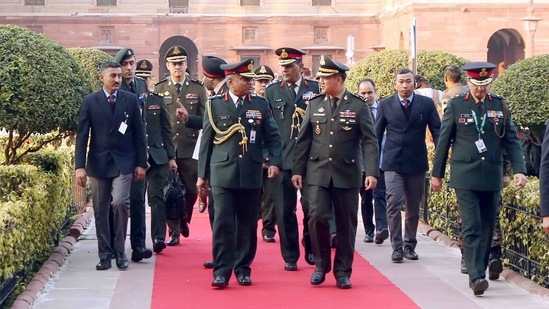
{"x": 347, "y": 30}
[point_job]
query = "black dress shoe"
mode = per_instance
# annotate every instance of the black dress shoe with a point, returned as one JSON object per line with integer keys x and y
{"x": 174, "y": 241}
{"x": 462, "y": 266}
{"x": 291, "y": 266}
{"x": 318, "y": 276}
{"x": 310, "y": 258}
{"x": 410, "y": 254}
{"x": 140, "y": 253}
{"x": 396, "y": 257}
{"x": 121, "y": 261}
{"x": 381, "y": 236}
{"x": 208, "y": 264}
{"x": 343, "y": 283}
{"x": 267, "y": 238}
{"x": 478, "y": 286}
{"x": 159, "y": 245}
{"x": 185, "y": 229}
{"x": 244, "y": 280}
{"x": 104, "y": 264}
{"x": 495, "y": 267}
{"x": 220, "y": 282}
{"x": 369, "y": 238}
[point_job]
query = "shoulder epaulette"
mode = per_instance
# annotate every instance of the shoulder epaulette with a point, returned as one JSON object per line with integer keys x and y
{"x": 215, "y": 96}
{"x": 274, "y": 82}
{"x": 160, "y": 82}
{"x": 358, "y": 96}
{"x": 156, "y": 94}
{"x": 316, "y": 96}
{"x": 195, "y": 80}
{"x": 496, "y": 96}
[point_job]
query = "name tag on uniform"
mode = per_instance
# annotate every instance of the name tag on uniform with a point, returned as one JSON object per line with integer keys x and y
{"x": 123, "y": 127}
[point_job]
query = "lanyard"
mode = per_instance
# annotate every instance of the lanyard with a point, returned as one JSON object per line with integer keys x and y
{"x": 479, "y": 128}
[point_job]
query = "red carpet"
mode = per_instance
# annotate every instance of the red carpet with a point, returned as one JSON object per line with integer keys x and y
{"x": 180, "y": 281}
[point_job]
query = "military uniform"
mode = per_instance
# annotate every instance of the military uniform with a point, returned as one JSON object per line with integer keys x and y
{"x": 326, "y": 152}
{"x": 192, "y": 95}
{"x": 137, "y": 192}
{"x": 478, "y": 134}
{"x": 231, "y": 159}
{"x": 288, "y": 109}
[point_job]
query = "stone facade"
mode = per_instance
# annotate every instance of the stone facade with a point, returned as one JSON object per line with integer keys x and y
{"x": 492, "y": 32}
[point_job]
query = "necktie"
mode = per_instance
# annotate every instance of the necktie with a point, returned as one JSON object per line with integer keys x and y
{"x": 406, "y": 103}
{"x": 334, "y": 104}
{"x": 292, "y": 90}
{"x": 111, "y": 101}
{"x": 132, "y": 87}
{"x": 480, "y": 106}
{"x": 178, "y": 88}
{"x": 374, "y": 111}
{"x": 238, "y": 104}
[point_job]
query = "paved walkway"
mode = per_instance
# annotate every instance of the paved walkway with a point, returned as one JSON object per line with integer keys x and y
{"x": 434, "y": 281}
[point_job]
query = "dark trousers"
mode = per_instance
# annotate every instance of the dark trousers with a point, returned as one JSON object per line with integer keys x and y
{"x": 367, "y": 209}
{"x": 107, "y": 194}
{"x": 156, "y": 180}
{"x": 284, "y": 196}
{"x": 138, "y": 228}
{"x": 234, "y": 230}
{"x": 188, "y": 174}
{"x": 403, "y": 190}
{"x": 478, "y": 211}
{"x": 380, "y": 204}
{"x": 345, "y": 210}
{"x": 268, "y": 217}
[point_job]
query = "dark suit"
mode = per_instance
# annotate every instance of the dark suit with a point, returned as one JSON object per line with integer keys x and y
{"x": 405, "y": 160}
{"x": 112, "y": 156}
{"x": 326, "y": 152}
{"x": 193, "y": 96}
{"x": 544, "y": 175}
{"x": 235, "y": 177}
{"x": 161, "y": 149}
{"x": 280, "y": 189}
{"x": 477, "y": 177}
{"x": 137, "y": 192}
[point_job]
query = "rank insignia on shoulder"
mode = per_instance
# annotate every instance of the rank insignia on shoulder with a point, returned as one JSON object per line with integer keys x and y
{"x": 160, "y": 82}
{"x": 195, "y": 80}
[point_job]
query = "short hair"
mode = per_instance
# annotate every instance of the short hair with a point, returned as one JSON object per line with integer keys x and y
{"x": 404, "y": 71}
{"x": 367, "y": 80}
{"x": 421, "y": 80}
{"x": 343, "y": 75}
{"x": 109, "y": 64}
{"x": 453, "y": 72}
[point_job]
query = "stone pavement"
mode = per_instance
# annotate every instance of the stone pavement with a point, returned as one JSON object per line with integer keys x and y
{"x": 434, "y": 281}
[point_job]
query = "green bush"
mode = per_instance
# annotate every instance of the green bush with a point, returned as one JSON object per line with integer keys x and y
{"x": 524, "y": 85}
{"x": 41, "y": 88}
{"x": 381, "y": 68}
{"x": 91, "y": 59}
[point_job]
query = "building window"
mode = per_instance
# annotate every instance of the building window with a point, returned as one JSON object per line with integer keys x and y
{"x": 107, "y": 35}
{"x": 248, "y": 35}
{"x": 316, "y": 63}
{"x": 37, "y": 29}
{"x": 255, "y": 58}
{"x": 321, "y": 35}
{"x": 179, "y": 6}
{"x": 34, "y": 2}
{"x": 322, "y": 2}
{"x": 249, "y": 2}
{"x": 106, "y": 2}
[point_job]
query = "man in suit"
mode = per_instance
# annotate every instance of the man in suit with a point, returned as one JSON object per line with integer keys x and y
{"x": 237, "y": 128}
{"x": 478, "y": 127}
{"x": 111, "y": 121}
{"x": 367, "y": 90}
{"x": 404, "y": 118}
{"x": 179, "y": 90}
{"x": 337, "y": 128}
{"x": 264, "y": 75}
{"x": 288, "y": 99}
{"x": 136, "y": 85}
{"x": 544, "y": 181}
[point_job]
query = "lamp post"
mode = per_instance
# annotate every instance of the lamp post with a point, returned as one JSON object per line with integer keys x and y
{"x": 531, "y": 25}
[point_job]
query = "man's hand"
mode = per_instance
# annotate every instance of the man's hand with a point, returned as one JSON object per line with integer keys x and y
{"x": 436, "y": 184}
{"x": 545, "y": 224}
{"x": 81, "y": 177}
{"x": 520, "y": 180}
{"x": 139, "y": 173}
{"x": 370, "y": 183}
{"x": 202, "y": 185}
{"x": 297, "y": 181}
{"x": 172, "y": 165}
{"x": 181, "y": 112}
{"x": 272, "y": 171}
{"x": 506, "y": 181}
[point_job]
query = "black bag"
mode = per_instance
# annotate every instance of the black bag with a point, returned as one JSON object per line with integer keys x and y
{"x": 174, "y": 197}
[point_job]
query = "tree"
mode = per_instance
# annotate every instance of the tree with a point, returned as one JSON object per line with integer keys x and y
{"x": 91, "y": 60}
{"x": 381, "y": 68}
{"x": 41, "y": 88}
